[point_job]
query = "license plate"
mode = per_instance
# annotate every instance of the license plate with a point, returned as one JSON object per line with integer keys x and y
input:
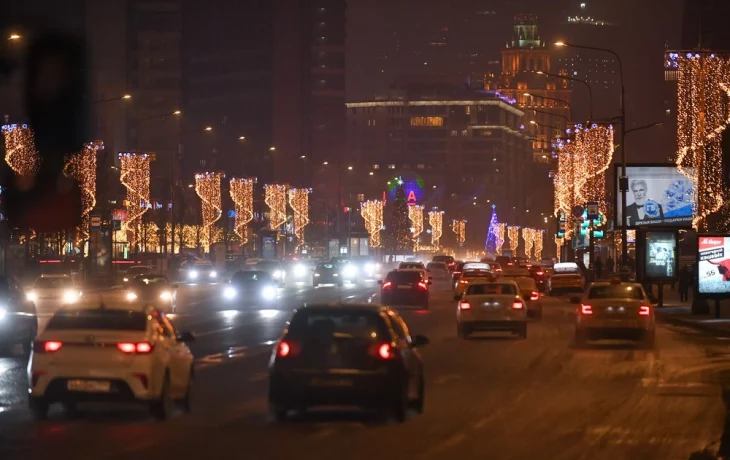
{"x": 92, "y": 386}
{"x": 331, "y": 383}
{"x": 404, "y": 286}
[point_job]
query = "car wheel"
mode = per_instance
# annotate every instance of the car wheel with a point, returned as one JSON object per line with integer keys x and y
{"x": 538, "y": 314}
{"x": 187, "y": 401}
{"x": 521, "y": 331}
{"x": 421, "y": 401}
{"x": 163, "y": 407}
{"x": 462, "y": 331}
{"x": 400, "y": 407}
{"x": 71, "y": 409}
{"x": 580, "y": 338}
{"x": 648, "y": 339}
{"x": 38, "y": 408}
{"x": 278, "y": 412}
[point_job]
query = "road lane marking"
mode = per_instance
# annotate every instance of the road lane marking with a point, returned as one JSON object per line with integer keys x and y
{"x": 449, "y": 443}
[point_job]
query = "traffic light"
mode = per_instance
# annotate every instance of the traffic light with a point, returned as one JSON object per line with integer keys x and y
{"x": 347, "y": 209}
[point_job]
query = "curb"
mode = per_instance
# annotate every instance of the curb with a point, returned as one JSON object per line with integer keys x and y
{"x": 671, "y": 319}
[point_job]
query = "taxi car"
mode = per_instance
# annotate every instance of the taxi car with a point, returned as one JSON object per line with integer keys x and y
{"x": 491, "y": 305}
{"x": 110, "y": 355}
{"x": 566, "y": 277}
{"x": 473, "y": 273}
{"x": 614, "y": 310}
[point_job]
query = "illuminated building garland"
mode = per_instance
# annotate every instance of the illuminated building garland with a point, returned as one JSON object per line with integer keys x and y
{"x": 372, "y": 213}
{"x": 275, "y": 199}
{"x": 299, "y": 203}
{"x": 135, "y": 176}
{"x": 513, "y": 233}
{"x": 436, "y": 220}
{"x": 459, "y": 227}
{"x": 20, "y": 152}
{"x": 703, "y": 113}
{"x": 208, "y": 188}
{"x": 81, "y": 167}
{"x": 559, "y": 245}
{"x": 415, "y": 215}
{"x": 529, "y": 237}
{"x": 242, "y": 196}
{"x": 500, "y": 237}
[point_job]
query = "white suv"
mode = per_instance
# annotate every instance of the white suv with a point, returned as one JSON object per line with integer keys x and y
{"x": 110, "y": 354}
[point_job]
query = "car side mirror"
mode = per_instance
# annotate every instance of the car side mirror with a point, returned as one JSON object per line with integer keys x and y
{"x": 420, "y": 341}
{"x": 186, "y": 337}
{"x": 575, "y": 300}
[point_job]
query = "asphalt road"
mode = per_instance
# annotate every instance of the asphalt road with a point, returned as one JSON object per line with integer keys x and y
{"x": 489, "y": 397}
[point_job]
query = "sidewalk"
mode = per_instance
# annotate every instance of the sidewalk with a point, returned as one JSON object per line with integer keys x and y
{"x": 680, "y": 314}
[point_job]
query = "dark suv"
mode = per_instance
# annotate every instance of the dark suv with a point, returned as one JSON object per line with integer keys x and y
{"x": 404, "y": 288}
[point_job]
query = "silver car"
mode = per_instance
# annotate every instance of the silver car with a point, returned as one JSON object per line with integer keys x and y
{"x": 491, "y": 306}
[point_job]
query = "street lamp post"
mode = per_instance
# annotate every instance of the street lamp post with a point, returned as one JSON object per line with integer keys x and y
{"x": 585, "y": 83}
{"x": 544, "y": 112}
{"x": 567, "y": 104}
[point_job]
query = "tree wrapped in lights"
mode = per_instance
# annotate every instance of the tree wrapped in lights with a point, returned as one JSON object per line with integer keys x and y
{"x": 500, "y": 237}
{"x": 436, "y": 220}
{"x": 398, "y": 228}
{"x": 529, "y": 238}
{"x": 459, "y": 227}
{"x": 703, "y": 113}
{"x": 135, "y": 176}
{"x": 20, "y": 152}
{"x": 559, "y": 246}
{"x": 242, "y": 195}
{"x": 208, "y": 188}
{"x": 81, "y": 167}
{"x": 513, "y": 233}
{"x": 415, "y": 215}
{"x": 299, "y": 203}
{"x": 538, "y": 243}
{"x": 493, "y": 237}
{"x": 372, "y": 214}
{"x": 595, "y": 147}
{"x": 275, "y": 199}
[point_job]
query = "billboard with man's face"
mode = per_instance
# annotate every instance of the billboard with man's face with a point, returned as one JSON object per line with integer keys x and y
{"x": 659, "y": 195}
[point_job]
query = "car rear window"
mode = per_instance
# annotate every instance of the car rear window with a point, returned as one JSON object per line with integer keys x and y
{"x": 493, "y": 289}
{"x": 52, "y": 283}
{"x": 616, "y": 292}
{"x": 411, "y": 266}
{"x": 404, "y": 277}
{"x": 476, "y": 273}
{"x": 446, "y": 259}
{"x": 526, "y": 283}
{"x": 267, "y": 265}
{"x": 106, "y": 320}
{"x": 436, "y": 265}
{"x": 337, "y": 323}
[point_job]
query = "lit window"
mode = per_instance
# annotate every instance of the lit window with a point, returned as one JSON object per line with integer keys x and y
{"x": 376, "y": 166}
{"x": 421, "y": 166}
{"x": 391, "y": 166}
{"x": 427, "y": 121}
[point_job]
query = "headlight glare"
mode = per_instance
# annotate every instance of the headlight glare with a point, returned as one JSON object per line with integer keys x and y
{"x": 3, "y": 313}
{"x": 193, "y": 274}
{"x": 166, "y": 295}
{"x": 229, "y": 292}
{"x": 70, "y": 296}
{"x": 213, "y": 274}
{"x": 269, "y": 293}
{"x": 131, "y": 296}
{"x": 32, "y": 296}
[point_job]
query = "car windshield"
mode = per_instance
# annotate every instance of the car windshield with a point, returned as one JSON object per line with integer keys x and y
{"x": 404, "y": 277}
{"x": 146, "y": 280}
{"x": 436, "y": 266}
{"x": 251, "y": 276}
{"x": 267, "y": 265}
{"x": 107, "y": 320}
{"x": 53, "y": 283}
{"x": 411, "y": 266}
{"x": 325, "y": 267}
{"x": 491, "y": 289}
{"x": 341, "y": 324}
{"x": 621, "y": 291}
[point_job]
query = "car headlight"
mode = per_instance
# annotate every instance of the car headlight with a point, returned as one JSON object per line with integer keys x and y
{"x": 131, "y": 296}
{"x": 229, "y": 292}
{"x": 317, "y": 274}
{"x": 300, "y": 271}
{"x": 32, "y": 296}
{"x": 278, "y": 274}
{"x": 349, "y": 270}
{"x": 126, "y": 280}
{"x": 369, "y": 267}
{"x": 70, "y": 296}
{"x": 268, "y": 293}
{"x": 193, "y": 274}
{"x": 335, "y": 274}
{"x": 213, "y": 274}
{"x": 166, "y": 295}
{"x": 3, "y": 313}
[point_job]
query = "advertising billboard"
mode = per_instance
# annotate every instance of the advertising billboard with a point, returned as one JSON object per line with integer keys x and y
{"x": 658, "y": 195}
{"x": 661, "y": 255}
{"x": 713, "y": 265}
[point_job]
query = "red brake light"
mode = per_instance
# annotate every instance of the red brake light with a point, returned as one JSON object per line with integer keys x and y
{"x": 422, "y": 285}
{"x": 387, "y": 285}
{"x": 517, "y": 305}
{"x": 384, "y": 351}
{"x": 144, "y": 347}
{"x": 284, "y": 349}
{"x": 586, "y": 309}
{"x": 457, "y": 272}
{"x": 126, "y": 347}
{"x": 464, "y": 305}
{"x": 129, "y": 347}
{"x": 47, "y": 347}
{"x": 539, "y": 273}
{"x": 535, "y": 295}
{"x": 644, "y": 310}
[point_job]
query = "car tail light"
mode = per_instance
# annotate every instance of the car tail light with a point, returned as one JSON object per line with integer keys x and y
{"x": 499, "y": 270}
{"x": 586, "y": 309}
{"x": 535, "y": 295}
{"x": 517, "y": 305}
{"x": 464, "y": 305}
{"x": 287, "y": 349}
{"x": 385, "y": 351}
{"x": 539, "y": 273}
{"x": 422, "y": 285}
{"x": 129, "y": 347}
{"x": 387, "y": 285}
{"x": 49, "y": 346}
{"x": 644, "y": 310}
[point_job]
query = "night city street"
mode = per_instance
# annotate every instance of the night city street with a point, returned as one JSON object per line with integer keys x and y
{"x": 491, "y": 396}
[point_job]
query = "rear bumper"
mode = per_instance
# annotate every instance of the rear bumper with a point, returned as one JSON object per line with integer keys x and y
{"x": 120, "y": 391}
{"x": 493, "y": 325}
{"x": 604, "y": 329}
{"x": 368, "y": 390}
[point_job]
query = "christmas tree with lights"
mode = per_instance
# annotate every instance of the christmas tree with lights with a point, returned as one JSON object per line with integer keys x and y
{"x": 493, "y": 238}
{"x": 399, "y": 228}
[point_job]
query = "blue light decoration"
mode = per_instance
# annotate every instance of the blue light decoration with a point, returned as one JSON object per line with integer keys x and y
{"x": 412, "y": 185}
{"x": 493, "y": 240}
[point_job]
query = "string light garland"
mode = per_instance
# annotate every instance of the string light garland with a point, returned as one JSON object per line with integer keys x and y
{"x": 459, "y": 227}
{"x": 20, "y": 152}
{"x": 529, "y": 238}
{"x": 372, "y": 213}
{"x": 538, "y": 237}
{"x": 299, "y": 203}
{"x": 241, "y": 190}
{"x": 559, "y": 246}
{"x": 703, "y": 113}
{"x": 81, "y": 167}
{"x": 500, "y": 237}
{"x": 275, "y": 199}
{"x": 436, "y": 220}
{"x": 415, "y": 215}
{"x": 135, "y": 176}
{"x": 208, "y": 188}
{"x": 513, "y": 233}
